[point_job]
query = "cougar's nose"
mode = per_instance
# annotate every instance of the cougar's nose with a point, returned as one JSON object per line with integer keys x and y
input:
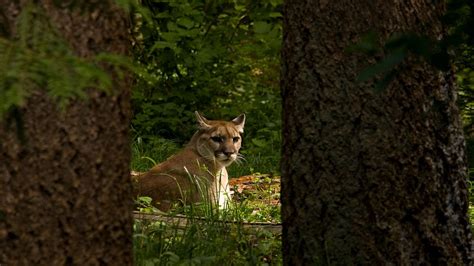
{"x": 228, "y": 153}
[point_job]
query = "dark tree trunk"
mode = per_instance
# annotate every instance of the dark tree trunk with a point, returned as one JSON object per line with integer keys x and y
{"x": 65, "y": 192}
{"x": 369, "y": 178}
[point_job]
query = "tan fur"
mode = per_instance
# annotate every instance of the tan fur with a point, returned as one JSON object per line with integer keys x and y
{"x": 199, "y": 169}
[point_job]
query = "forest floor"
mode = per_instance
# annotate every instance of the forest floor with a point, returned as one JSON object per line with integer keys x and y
{"x": 207, "y": 237}
{"x": 238, "y": 235}
{"x": 255, "y": 201}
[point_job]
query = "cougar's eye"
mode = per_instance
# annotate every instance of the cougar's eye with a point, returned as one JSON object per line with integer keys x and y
{"x": 217, "y": 139}
{"x": 235, "y": 139}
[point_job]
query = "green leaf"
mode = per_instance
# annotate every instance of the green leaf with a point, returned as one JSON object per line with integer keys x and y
{"x": 259, "y": 143}
{"x": 172, "y": 26}
{"x": 165, "y": 14}
{"x": 171, "y": 37}
{"x": 162, "y": 45}
{"x": 261, "y": 27}
{"x": 387, "y": 64}
{"x": 275, "y": 15}
{"x": 185, "y": 22}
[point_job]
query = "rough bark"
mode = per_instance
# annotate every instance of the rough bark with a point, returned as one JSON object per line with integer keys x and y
{"x": 369, "y": 178}
{"x": 66, "y": 192}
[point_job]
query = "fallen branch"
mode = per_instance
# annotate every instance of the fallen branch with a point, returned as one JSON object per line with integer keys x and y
{"x": 181, "y": 221}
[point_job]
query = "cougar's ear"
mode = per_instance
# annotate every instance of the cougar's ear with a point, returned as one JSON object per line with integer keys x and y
{"x": 202, "y": 121}
{"x": 239, "y": 122}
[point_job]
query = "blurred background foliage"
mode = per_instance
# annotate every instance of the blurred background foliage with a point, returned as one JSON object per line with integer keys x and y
{"x": 460, "y": 19}
{"x": 37, "y": 56}
{"x": 220, "y": 57}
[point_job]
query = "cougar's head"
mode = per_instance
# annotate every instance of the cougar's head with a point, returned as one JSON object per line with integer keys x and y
{"x": 219, "y": 141}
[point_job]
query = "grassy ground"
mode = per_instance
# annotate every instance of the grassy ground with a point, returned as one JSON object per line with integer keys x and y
{"x": 212, "y": 242}
{"x": 208, "y": 242}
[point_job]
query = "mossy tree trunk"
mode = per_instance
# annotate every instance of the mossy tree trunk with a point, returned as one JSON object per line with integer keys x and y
{"x": 65, "y": 191}
{"x": 369, "y": 178}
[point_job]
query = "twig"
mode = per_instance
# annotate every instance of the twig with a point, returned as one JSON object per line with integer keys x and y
{"x": 181, "y": 221}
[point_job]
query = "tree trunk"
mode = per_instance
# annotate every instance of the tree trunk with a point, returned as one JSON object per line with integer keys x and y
{"x": 369, "y": 178}
{"x": 66, "y": 192}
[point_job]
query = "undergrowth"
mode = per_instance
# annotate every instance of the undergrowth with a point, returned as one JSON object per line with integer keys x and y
{"x": 213, "y": 242}
{"x": 209, "y": 241}
{"x": 148, "y": 152}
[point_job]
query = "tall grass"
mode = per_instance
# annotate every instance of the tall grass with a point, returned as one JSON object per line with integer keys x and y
{"x": 206, "y": 239}
{"x": 147, "y": 153}
{"x": 211, "y": 241}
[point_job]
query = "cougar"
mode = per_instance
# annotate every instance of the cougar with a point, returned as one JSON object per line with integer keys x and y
{"x": 199, "y": 170}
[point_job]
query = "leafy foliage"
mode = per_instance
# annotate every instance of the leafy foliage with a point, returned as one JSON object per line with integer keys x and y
{"x": 465, "y": 81}
{"x": 218, "y": 57}
{"x": 462, "y": 19}
{"x": 205, "y": 239}
{"x": 38, "y": 58}
{"x": 209, "y": 243}
{"x": 439, "y": 53}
